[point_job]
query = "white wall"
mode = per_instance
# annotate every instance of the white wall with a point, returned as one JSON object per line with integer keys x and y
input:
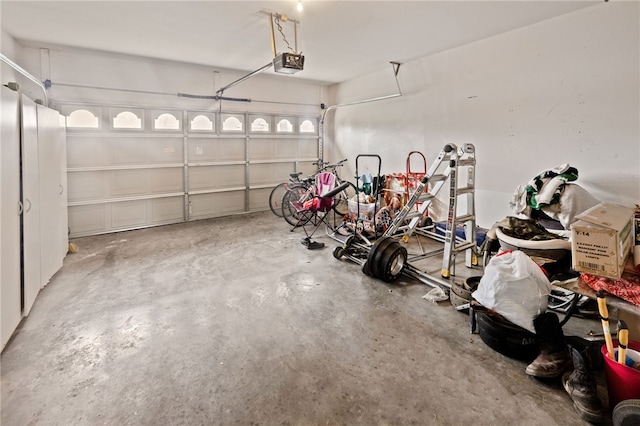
{"x": 563, "y": 90}
{"x": 132, "y": 77}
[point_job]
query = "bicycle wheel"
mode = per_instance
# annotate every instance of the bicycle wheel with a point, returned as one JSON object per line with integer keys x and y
{"x": 276, "y": 196}
{"x": 297, "y": 194}
{"x": 341, "y": 202}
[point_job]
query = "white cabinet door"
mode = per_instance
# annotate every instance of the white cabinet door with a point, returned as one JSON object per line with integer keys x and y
{"x": 10, "y": 309}
{"x": 53, "y": 192}
{"x": 32, "y": 282}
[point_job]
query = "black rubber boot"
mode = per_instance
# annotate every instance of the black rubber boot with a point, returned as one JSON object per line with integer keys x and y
{"x": 553, "y": 359}
{"x": 581, "y": 386}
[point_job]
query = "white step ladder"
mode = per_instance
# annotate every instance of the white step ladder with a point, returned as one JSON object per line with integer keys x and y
{"x": 444, "y": 168}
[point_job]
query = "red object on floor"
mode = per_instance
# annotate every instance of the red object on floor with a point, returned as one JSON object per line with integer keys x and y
{"x": 623, "y": 382}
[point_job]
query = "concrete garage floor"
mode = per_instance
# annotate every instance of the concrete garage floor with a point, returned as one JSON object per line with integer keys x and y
{"x": 233, "y": 321}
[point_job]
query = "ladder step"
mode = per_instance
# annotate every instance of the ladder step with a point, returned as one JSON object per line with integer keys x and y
{"x": 464, "y": 218}
{"x": 424, "y": 197}
{"x": 465, "y": 190}
{"x": 467, "y": 162}
{"x": 463, "y": 246}
{"x": 437, "y": 178}
{"x": 413, "y": 213}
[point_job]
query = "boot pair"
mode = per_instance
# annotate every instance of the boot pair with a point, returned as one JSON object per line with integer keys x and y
{"x": 557, "y": 359}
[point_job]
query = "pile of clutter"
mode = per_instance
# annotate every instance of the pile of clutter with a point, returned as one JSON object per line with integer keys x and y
{"x": 508, "y": 305}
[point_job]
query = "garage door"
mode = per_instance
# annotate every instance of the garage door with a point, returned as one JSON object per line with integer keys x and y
{"x": 131, "y": 168}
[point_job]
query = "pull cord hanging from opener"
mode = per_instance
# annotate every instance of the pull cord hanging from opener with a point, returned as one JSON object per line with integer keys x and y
{"x": 277, "y": 18}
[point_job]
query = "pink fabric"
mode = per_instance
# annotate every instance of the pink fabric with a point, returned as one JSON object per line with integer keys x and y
{"x": 325, "y": 182}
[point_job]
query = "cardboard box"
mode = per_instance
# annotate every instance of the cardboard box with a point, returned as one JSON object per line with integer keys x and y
{"x": 601, "y": 240}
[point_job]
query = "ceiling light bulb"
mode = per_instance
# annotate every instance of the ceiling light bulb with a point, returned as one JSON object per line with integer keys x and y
{"x": 299, "y": 7}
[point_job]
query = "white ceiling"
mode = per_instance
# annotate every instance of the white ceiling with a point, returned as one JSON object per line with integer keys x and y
{"x": 339, "y": 39}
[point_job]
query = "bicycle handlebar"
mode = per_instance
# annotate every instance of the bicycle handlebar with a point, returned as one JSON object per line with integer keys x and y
{"x": 323, "y": 166}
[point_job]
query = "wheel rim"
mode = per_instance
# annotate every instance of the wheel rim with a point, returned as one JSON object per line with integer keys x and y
{"x": 397, "y": 264}
{"x": 391, "y": 262}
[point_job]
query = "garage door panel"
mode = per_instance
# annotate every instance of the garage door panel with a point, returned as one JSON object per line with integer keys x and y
{"x": 259, "y": 199}
{"x": 167, "y": 210}
{"x": 267, "y": 174}
{"x": 127, "y": 183}
{"x": 308, "y": 148}
{"x": 216, "y": 204}
{"x": 273, "y": 149}
{"x": 88, "y": 220}
{"x": 128, "y": 151}
{"x": 85, "y": 152}
{"x": 84, "y": 186}
{"x": 202, "y": 150}
{"x": 307, "y": 167}
{"x": 216, "y": 177}
{"x": 164, "y": 181}
{"x": 129, "y": 178}
{"x": 128, "y": 214}
{"x": 164, "y": 151}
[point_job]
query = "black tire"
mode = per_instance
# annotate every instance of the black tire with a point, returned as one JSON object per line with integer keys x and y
{"x": 392, "y": 262}
{"x": 341, "y": 200}
{"x": 626, "y": 413}
{"x": 506, "y": 338}
{"x": 375, "y": 252}
{"x": 366, "y": 269}
{"x": 289, "y": 213}
{"x": 276, "y": 196}
{"x": 338, "y": 252}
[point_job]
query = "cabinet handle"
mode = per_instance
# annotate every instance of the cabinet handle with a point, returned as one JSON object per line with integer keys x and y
{"x": 28, "y": 209}
{"x": 61, "y": 189}
{"x": 19, "y": 208}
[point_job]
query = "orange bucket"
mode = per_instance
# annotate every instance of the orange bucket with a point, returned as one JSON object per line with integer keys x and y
{"x": 623, "y": 382}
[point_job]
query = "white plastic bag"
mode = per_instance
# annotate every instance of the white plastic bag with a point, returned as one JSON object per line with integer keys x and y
{"x": 514, "y": 286}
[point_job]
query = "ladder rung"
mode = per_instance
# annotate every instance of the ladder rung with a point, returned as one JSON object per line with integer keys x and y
{"x": 464, "y": 218}
{"x": 413, "y": 213}
{"x": 463, "y": 246}
{"x": 467, "y": 162}
{"x": 437, "y": 178}
{"x": 465, "y": 190}
{"x": 424, "y": 197}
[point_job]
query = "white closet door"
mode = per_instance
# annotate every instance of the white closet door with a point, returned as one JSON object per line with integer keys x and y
{"x": 53, "y": 192}
{"x": 10, "y": 309}
{"x": 32, "y": 281}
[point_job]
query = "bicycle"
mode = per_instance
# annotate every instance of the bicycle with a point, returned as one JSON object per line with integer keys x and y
{"x": 306, "y": 191}
{"x": 277, "y": 193}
